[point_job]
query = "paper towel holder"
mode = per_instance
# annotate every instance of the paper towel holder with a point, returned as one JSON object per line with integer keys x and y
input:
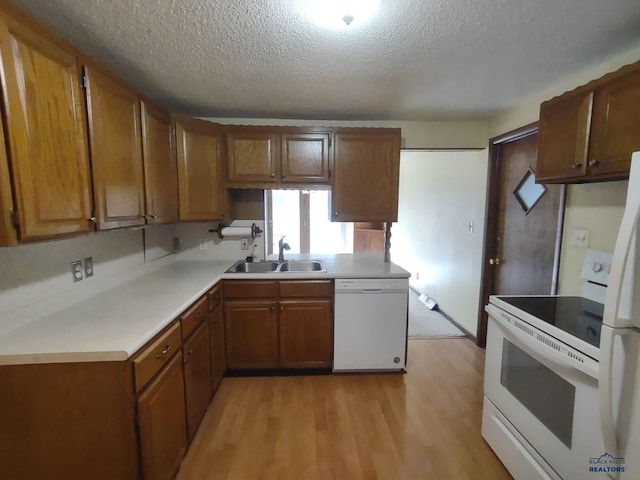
{"x": 255, "y": 230}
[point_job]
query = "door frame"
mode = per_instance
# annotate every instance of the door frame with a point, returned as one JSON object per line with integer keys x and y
{"x": 496, "y": 145}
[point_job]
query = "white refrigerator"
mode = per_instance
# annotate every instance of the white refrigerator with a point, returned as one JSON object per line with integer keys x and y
{"x": 619, "y": 376}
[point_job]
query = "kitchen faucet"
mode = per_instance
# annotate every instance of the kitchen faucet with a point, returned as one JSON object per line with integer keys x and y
{"x": 281, "y": 248}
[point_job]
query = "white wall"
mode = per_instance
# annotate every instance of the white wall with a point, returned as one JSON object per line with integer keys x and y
{"x": 597, "y": 208}
{"x": 440, "y": 194}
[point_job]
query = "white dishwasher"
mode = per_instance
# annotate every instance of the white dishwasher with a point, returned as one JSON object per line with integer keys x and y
{"x": 370, "y": 324}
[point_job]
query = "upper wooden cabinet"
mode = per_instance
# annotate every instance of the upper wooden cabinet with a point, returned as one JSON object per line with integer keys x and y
{"x": 200, "y": 152}
{"x": 45, "y": 132}
{"x": 588, "y": 134}
{"x": 366, "y": 168}
{"x": 7, "y": 231}
{"x": 116, "y": 151}
{"x": 160, "y": 166}
{"x": 267, "y": 156}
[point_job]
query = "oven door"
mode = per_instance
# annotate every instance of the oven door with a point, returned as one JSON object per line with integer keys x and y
{"x": 547, "y": 391}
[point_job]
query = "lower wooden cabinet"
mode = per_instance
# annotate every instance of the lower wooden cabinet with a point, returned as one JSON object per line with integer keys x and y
{"x": 198, "y": 387}
{"x": 306, "y": 334}
{"x": 218, "y": 350}
{"x": 251, "y": 332}
{"x": 278, "y": 324}
{"x": 162, "y": 423}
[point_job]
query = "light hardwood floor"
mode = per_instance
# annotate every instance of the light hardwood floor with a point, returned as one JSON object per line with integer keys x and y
{"x": 422, "y": 425}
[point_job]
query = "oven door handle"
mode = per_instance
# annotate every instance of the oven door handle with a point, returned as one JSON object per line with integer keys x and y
{"x": 547, "y": 353}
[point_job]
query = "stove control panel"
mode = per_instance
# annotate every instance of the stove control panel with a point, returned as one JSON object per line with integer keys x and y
{"x": 597, "y": 267}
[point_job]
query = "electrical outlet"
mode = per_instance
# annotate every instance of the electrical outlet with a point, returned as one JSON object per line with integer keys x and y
{"x": 244, "y": 244}
{"x": 76, "y": 270}
{"x": 88, "y": 267}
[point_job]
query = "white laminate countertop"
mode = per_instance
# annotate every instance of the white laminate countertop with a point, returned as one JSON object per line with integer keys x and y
{"x": 113, "y": 325}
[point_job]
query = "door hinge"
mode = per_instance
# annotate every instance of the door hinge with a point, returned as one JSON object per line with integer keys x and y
{"x": 83, "y": 80}
{"x": 15, "y": 220}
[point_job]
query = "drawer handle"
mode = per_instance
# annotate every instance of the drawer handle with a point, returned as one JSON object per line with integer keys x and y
{"x": 166, "y": 349}
{"x": 594, "y": 163}
{"x": 576, "y": 165}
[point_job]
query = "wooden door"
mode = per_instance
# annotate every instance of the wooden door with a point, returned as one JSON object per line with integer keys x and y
{"x": 252, "y": 155}
{"x": 365, "y": 176}
{"x": 522, "y": 250}
{"x": 162, "y": 424}
{"x": 160, "y": 166}
{"x": 197, "y": 377}
{"x": 7, "y": 230}
{"x": 116, "y": 151}
{"x": 305, "y": 158}
{"x": 199, "y": 147}
{"x": 306, "y": 334}
{"x": 565, "y": 127}
{"x": 251, "y": 333}
{"x": 218, "y": 362}
{"x": 46, "y": 133}
{"x": 616, "y": 126}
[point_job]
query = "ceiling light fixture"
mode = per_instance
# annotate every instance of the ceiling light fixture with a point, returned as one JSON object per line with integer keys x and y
{"x": 338, "y": 13}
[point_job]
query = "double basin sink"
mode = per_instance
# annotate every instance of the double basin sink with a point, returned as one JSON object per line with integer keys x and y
{"x": 291, "y": 266}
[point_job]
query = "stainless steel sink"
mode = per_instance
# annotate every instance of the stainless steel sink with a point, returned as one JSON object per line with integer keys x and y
{"x": 290, "y": 266}
{"x": 243, "y": 266}
{"x": 302, "y": 266}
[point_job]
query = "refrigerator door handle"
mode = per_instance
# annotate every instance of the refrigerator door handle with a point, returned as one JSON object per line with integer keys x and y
{"x": 605, "y": 387}
{"x": 624, "y": 244}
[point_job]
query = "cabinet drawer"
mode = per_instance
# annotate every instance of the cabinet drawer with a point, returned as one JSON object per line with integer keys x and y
{"x": 194, "y": 317}
{"x": 215, "y": 297}
{"x": 156, "y": 355}
{"x": 250, "y": 289}
{"x": 306, "y": 288}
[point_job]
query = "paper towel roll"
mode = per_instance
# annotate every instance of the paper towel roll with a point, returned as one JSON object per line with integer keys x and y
{"x": 237, "y": 232}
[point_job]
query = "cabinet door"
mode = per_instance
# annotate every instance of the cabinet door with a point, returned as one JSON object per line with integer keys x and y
{"x": 616, "y": 126}
{"x": 199, "y": 148}
{"x": 116, "y": 152}
{"x": 305, "y": 158}
{"x": 306, "y": 334}
{"x": 365, "y": 177}
{"x": 252, "y": 156}
{"x": 160, "y": 167}
{"x": 563, "y": 139}
{"x": 7, "y": 232}
{"x": 197, "y": 377}
{"x": 46, "y": 133}
{"x": 251, "y": 334}
{"x": 162, "y": 424}
{"x": 218, "y": 362}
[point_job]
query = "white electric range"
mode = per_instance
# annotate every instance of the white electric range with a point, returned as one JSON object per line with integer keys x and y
{"x": 540, "y": 413}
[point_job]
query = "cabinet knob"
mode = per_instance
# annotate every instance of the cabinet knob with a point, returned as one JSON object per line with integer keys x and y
{"x": 335, "y": 214}
{"x": 273, "y": 309}
{"x": 594, "y": 163}
{"x": 494, "y": 261}
{"x": 150, "y": 215}
{"x": 273, "y": 175}
{"x": 281, "y": 308}
{"x": 92, "y": 219}
{"x": 576, "y": 165}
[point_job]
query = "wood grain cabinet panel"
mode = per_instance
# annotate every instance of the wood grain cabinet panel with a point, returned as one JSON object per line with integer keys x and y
{"x": 589, "y": 134}
{"x": 366, "y": 168}
{"x": 306, "y": 334}
{"x": 116, "y": 151}
{"x": 200, "y": 150}
{"x": 251, "y": 332}
{"x": 162, "y": 424}
{"x": 7, "y": 231}
{"x": 218, "y": 350}
{"x": 252, "y": 155}
{"x": 160, "y": 166}
{"x": 46, "y": 132}
{"x": 197, "y": 377}
{"x": 305, "y": 158}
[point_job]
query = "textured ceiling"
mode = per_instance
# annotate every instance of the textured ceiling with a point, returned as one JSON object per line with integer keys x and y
{"x": 415, "y": 60}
